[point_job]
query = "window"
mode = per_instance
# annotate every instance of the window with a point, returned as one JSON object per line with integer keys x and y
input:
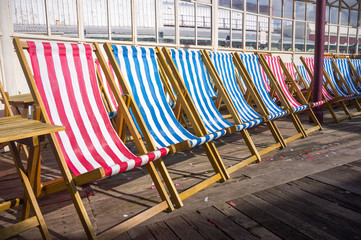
{"x": 166, "y": 27}
{"x": 224, "y": 3}
{"x": 310, "y": 37}
{"x": 237, "y": 4}
{"x": 186, "y": 23}
{"x": 263, "y": 33}
{"x": 29, "y": 16}
{"x": 287, "y": 35}
{"x": 145, "y": 20}
{"x": 300, "y": 36}
{"x": 224, "y": 28}
{"x": 277, "y": 8}
{"x": 204, "y": 20}
{"x": 121, "y": 20}
{"x": 288, "y": 9}
{"x": 96, "y": 19}
{"x": 344, "y": 16}
{"x": 300, "y": 10}
{"x": 237, "y": 34}
{"x": 252, "y": 6}
{"x": 276, "y": 31}
{"x": 264, "y": 7}
{"x": 251, "y": 31}
{"x": 311, "y": 12}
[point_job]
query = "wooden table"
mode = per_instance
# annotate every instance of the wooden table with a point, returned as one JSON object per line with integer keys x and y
{"x": 28, "y": 132}
{"x": 23, "y": 101}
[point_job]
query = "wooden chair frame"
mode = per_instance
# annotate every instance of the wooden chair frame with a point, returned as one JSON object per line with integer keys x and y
{"x": 193, "y": 117}
{"x": 231, "y": 108}
{"x": 261, "y": 105}
{"x": 284, "y": 99}
{"x": 70, "y": 182}
{"x": 337, "y": 98}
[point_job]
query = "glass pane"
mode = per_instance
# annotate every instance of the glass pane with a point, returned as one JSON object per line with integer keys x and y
{"x": 300, "y": 36}
{"x": 327, "y": 14}
{"x": 353, "y": 18}
{"x": 352, "y": 40}
{"x": 204, "y": 25}
{"x": 186, "y": 23}
{"x": 300, "y": 10}
{"x": 311, "y": 12}
{"x": 251, "y": 6}
{"x": 251, "y": 30}
{"x": 288, "y": 9}
{"x": 63, "y": 18}
{"x": 205, "y": 1}
{"x": 121, "y": 20}
{"x": 344, "y": 16}
{"x": 287, "y": 35}
{"x": 277, "y": 8}
{"x": 166, "y": 22}
{"x": 276, "y": 34}
{"x": 326, "y": 39}
{"x": 224, "y": 28}
{"x": 95, "y": 19}
{"x": 359, "y": 42}
{"x": 237, "y": 4}
{"x": 333, "y": 38}
{"x": 334, "y": 15}
{"x": 237, "y": 34}
{"x": 263, "y": 33}
{"x": 264, "y": 7}
{"x": 224, "y": 3}
{"x": 310, "y": 38}
{"x": 29, "y": 16}
{"x": 145, "y": 20}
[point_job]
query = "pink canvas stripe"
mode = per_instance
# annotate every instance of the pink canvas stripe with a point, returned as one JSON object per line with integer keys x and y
{"x": 291, "y": 70}
{"x": 277, "y": 71}
{"x": 264, "y": 79}
{"x": 106, "y": 85}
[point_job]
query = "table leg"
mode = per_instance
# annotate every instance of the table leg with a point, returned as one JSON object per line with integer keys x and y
{"x": 30, "y": 196}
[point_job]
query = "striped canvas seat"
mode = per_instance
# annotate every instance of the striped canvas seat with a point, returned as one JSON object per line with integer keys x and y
{"x": 196, "y": 79}
{"x": 357, "y": 64}
{"x": 65, "y": 77}
{"x": 226, "y": 69}
{"x": 291, "y": 69}
{"x": 254, "y": 69}
{"x": 275, "y": 66}
{"x": 140, "y": 69}
{"x": 306, "y": 76}
{"x": 327, "y": 65}
{"x": 346, "y": 72}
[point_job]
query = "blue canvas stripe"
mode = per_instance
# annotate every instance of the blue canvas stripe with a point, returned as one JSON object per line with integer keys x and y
{"x": 346, "y": 72}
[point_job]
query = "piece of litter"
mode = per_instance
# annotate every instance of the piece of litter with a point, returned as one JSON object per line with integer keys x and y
{"x": 291, "y": 149}
{"x": 271, "y": 155}
{"x": 288, "y": 159}
{"x": 247, "y": 165}
{"x": 266, "y": 159}
{"x": 129, "y": 178}
{"x": 158, "y": 196}
{"x": 232, "y": 203}
{"x": 298, "y": 152}
{"x": 206, "y": 199}
{"x": 239, "y": 141}
{"x": 191, "y": 164}
{"x": 259, "y": 162}
{"x": 154, "y": 187}
{"x": 134, "y": 172}
{"x": 63, "y": 198}
{"x": 125, "y": 215}
{"x": 177, "y": 184}
{"x": 316, "y": 148}
{"x": 271, "y": 159}
{"x": 152, "y": 184}
{"x": 214, "y": 225}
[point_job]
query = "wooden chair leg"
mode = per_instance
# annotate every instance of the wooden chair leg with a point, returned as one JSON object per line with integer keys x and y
{"x": 297, "y": 123}
{"x": 333, "y": 114}
{"x": 314, "y": 118}
{"x": 345, "y": 109}
{"x": 252, "y": 148}
{"x": 357, "y": 105}
{"x": 159, "y": 185}
{"x": 276, "y": 133}
{"x": 216, "y": 161}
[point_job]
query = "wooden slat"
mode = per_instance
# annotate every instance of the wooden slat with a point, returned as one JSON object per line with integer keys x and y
{"x": 183, "y": 229}
{"x": 18, "y": 228}
{"x": 161, "y": 231}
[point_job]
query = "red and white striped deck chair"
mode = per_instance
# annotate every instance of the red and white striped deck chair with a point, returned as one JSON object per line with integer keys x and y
{"x": 65, "y": 86}
{"x": 274, "y": 71}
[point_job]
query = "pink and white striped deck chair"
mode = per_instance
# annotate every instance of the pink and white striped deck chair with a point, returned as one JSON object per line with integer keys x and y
{"x": 272, "y": 67}
{"x": 65, "y": 86}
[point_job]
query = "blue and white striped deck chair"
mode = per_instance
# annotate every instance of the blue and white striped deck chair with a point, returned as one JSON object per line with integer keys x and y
{"x": 343, "y": 68}
{"x": 197, "y": 83}
{"x": 357, "y": 65}
{"x": 304, "y": 74}
{"x": 253, "y": 68}
{"x": 138, "y": 73}
{"x": 227, "y": 74}
{"x": 341, "y": 90}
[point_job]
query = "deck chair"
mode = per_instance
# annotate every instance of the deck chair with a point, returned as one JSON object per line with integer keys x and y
{"x": 249, "y": 68}
{"x": 331, "y": 96}
{"x": 355, "y": 65}
{"x": 299, "y": 79}
{"x": 191, "y": 77}
{"x": 222, "y": 70}
{"x": 137, "y": 72}
{"x": 343, "y": 70}
{"x": 64, "y": 85}
{"x": 279, "y": 75}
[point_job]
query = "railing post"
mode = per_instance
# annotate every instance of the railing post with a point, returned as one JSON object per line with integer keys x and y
{"x": 318, "y": 58}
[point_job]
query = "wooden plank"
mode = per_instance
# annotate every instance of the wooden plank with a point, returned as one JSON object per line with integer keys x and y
{"x": 356, "y": 163}
{"x": 140, "y": 233}
{"x": 339, "y": 196}
{"x": 18, "y": 228}
{"x": 252, "y": 226}
{"x": 204, "y": 227}
{"x": 274, "y": 225}
{"x": 308, "y": 212}
{"x": 183, "y": 229}
{"x": 161, "y": 231}
{"x": 223, "y": 222}
{"x": 354, "y": 217}
{"x": 288, "y": 218}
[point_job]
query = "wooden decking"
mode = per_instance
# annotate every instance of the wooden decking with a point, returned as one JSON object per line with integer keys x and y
{"x": 325, "y": 205}
{"x": 308, "y": 190}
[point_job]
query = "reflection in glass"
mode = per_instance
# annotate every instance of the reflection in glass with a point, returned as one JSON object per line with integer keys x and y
{"x": 63, "y": 18}
{"x": 300, "y": 36}
{"x": 334, "y": 15}
{"x": 263, "y": 33}
{"x": 95, "y": 19}
{"x": 300, "y": 10}
{"x": 277, "y": 8}
{"x": 288, "y": 9}
{"x": 310, "y": 37}
{"x": 224, "y": 28}
{"x": 251, "y": 6}
{"x": 344, "y": 16}
{"x": 352, "y": 40}
{"x": 276, "y": 31}
{"x": 237, "y": 34}
{"x": 311, "y": 12}
{"x": 120, "y": 20}
{"x": 237, "y": 4}
{"x": 264, "y": 7}
{"x": 186, "y": 23}
{"x": 166, "y": 22}
{"x": 251, "y": 30}
{"x": 224, "y": 3}
{"x": 204, "y": 24}
{"x": 287, "y": 35}
{"x": 145, "y": 20}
